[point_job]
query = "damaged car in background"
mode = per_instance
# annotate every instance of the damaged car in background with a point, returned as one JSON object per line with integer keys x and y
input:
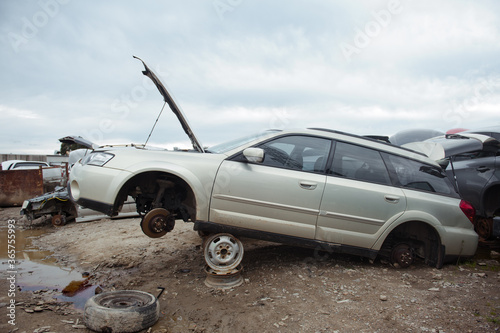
{"x": 52, "y": 175}
{"x": 57, "y": 203}
{"x": 473, "y": 164}
{"x": 315, "y": 188}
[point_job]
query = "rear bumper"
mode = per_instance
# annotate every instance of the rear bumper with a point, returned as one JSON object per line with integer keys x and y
{"x": 460, "y": 242}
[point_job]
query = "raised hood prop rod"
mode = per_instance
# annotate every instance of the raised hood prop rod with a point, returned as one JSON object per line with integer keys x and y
{"x": 173, "y": 106}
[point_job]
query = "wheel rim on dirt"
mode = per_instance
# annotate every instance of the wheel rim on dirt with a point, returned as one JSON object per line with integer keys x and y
{"x": 124, "y": 301}
{"x": 402, "y": 256}
{"x": 223, "y": 252}
{"x": 157, "y": 222}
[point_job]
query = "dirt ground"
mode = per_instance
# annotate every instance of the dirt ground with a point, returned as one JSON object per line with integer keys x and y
{"x": 285, "y": 289}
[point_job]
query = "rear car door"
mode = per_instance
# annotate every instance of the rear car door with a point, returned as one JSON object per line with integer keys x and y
{"x": 280, "y": 195}
{"x": 359, "y": 199}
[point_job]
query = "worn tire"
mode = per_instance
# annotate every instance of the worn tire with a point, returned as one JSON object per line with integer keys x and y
{"x": 121, "y": 311}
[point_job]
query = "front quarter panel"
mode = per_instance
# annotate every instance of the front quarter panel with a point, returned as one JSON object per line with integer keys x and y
{"x": 101, "y": 185}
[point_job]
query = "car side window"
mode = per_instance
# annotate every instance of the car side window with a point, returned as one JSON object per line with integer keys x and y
{"x": 359, "y": 163}
{"x": 304, "y": 153}
{"x": 417, "y": 175}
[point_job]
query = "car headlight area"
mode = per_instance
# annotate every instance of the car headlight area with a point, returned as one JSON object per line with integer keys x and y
{"x": 97, "y": 158}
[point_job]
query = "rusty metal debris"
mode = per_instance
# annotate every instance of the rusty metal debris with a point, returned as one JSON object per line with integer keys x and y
{"x": 55, "y": 203}
{"x": 19, "y": 185}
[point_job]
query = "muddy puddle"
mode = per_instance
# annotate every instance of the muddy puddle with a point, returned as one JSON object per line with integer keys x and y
{"x": 38, "y": 271}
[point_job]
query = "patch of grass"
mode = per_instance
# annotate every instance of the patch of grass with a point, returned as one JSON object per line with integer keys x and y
{"x": 472, "y": 264}
{"x": 493, "y": 320}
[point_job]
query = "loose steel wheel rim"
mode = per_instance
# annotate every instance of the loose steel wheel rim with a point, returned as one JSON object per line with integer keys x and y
{"x": 124, "y": 301}
{"x": 402, "y": 255}
{"x": 223, "y": 252}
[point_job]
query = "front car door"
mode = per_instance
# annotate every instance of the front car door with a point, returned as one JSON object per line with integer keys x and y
{"x": 280, "y": 195}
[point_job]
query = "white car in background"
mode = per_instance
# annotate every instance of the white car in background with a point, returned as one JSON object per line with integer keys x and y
{"x": 20, "y": 165}
{"x": 51, "y": 175}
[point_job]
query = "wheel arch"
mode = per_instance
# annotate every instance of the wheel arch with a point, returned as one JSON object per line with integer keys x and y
{"x": 490, "y": 203}
{"x": 194, "y": 193}
{"x": 423, "y": 236}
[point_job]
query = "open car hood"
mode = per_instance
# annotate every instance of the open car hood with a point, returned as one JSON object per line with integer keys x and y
{"x": 72, "y": 139}
{"x": 173, "y": 106}
{"x": 448, "y": 145}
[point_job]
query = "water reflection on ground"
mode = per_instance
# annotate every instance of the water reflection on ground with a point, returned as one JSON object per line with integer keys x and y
{"x": 38, "y": 271}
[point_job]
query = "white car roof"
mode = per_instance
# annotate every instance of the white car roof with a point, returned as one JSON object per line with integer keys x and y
{"x": 6, "y": 165}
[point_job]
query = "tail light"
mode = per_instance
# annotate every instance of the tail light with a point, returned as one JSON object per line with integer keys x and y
{"x": 468, "y": 210}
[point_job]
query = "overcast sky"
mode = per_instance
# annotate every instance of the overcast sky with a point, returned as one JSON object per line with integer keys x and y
{"x": 238, "y": 66}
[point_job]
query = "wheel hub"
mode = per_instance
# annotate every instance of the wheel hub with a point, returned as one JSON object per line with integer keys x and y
{"x": 157, "y": 222}
{"x": 484, "y": 227}
{"x": 58, "y": 220}
{"x": 402, "y": 255}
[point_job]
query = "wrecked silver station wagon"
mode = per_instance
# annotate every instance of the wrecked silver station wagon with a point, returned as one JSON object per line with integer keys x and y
{"x": 315, "y": 188}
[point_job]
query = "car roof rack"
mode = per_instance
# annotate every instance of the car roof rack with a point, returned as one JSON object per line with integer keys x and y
{"x": 368, "y": 138}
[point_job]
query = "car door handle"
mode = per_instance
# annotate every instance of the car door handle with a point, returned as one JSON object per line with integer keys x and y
{"x": 307, "y": 185}
{"x": 391, "y": 199}
{"x": 482, "y": 169}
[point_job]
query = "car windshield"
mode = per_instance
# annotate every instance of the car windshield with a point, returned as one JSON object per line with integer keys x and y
{"x": 230, "y": 145}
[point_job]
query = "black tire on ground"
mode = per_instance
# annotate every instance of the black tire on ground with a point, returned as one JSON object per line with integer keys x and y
{"x": 121, "y": 311}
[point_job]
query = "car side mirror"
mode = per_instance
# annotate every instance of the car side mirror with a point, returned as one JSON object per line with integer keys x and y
{"x": 254, "y": 155}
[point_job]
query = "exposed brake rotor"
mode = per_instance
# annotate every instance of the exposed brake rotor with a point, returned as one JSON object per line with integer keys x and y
{"x": 58, "y": 220}
{"x": 402, "y": 255}
{"x": 157, "y": 222}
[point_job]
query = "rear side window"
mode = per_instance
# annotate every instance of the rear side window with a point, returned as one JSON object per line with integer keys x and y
{"x": 359, "y": 163}
{"x": 417, "y": 175}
